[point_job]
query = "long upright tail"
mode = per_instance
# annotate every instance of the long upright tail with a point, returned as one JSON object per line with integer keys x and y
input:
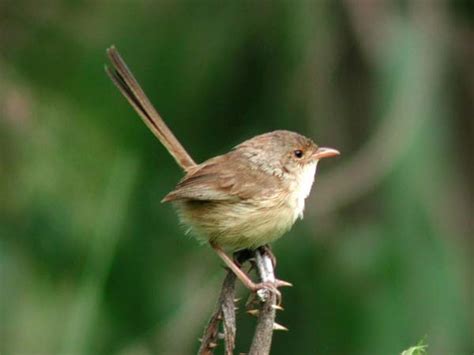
{"x": 129, "y": 87}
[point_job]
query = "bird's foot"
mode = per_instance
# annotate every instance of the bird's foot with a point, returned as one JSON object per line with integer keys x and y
{"x": 263, "y": 290}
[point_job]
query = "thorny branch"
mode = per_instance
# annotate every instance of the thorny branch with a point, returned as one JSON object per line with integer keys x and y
{"x": 262, "y": 339}
{"x": 225, "y": 313}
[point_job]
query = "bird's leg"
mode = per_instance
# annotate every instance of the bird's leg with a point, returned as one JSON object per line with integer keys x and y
{"x": 241, "y": 256}
{"x": 243, "y": 277}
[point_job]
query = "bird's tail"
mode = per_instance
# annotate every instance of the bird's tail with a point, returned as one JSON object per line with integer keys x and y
{"x": 129, "y": 87}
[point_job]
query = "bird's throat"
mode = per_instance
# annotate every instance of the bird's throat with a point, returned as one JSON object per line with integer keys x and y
{"x": 303, "y": 187}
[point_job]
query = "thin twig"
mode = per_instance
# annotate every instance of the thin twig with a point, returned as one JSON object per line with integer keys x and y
{"x": 225, "y": 312}
{"x": 262, "y": 339}
{"x": 228, "y": 312}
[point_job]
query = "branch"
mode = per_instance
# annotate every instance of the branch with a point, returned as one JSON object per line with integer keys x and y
{"x": 225, "y": 311}
{"x": 262, "y": 339}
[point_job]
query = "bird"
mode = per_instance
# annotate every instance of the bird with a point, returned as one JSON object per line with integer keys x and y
{"x": 243, "y": 199}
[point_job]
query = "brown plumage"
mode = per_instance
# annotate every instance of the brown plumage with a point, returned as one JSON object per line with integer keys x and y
{"x": 249, "y": 196}
{"x": 243, "y": 199}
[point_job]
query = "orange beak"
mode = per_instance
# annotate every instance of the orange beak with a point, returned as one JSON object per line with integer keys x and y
{"x": 325, "y": 153}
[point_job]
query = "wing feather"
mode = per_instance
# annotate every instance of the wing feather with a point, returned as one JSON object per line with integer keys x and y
{"x": 221, "y": 179}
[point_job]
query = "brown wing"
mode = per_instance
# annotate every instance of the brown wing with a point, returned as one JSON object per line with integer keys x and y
{"x": 223, "y": 178}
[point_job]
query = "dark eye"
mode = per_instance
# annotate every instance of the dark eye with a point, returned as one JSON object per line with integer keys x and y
{"x": 298, "y": 153}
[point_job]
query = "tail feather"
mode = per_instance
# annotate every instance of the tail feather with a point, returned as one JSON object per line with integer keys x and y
{"x": 123, "y": 78}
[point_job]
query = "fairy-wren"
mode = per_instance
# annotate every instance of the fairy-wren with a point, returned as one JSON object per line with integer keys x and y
{"x": 243, "y": 199}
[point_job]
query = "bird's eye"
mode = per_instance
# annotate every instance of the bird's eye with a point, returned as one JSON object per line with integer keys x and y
{"x": 298, "y": 153}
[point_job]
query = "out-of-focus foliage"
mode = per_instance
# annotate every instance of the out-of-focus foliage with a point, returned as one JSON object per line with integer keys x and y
{"x": 92, "y": 263}
{"x": 419, "y": 349}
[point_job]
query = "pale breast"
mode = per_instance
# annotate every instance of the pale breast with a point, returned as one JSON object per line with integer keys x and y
{"x": 238, "y": 224}
{"x": 303, "y": 188}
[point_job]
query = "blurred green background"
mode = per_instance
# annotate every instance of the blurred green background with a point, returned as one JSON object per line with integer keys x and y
{"x": 92, "y": 263}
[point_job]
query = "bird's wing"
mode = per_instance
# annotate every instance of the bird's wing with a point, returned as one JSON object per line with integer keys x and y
{"x": 219, "y": 179}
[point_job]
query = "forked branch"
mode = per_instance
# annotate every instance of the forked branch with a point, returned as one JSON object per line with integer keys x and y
{"x": 265, "y": 301}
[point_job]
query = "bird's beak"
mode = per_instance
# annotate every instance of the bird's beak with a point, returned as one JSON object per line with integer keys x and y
{"x": 325, "y": 153}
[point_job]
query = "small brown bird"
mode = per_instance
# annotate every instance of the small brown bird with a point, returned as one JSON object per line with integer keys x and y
{"x": 244, "y": 199}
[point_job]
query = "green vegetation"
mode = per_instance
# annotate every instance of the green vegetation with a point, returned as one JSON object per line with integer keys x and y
{"x": 92, "y": 263}
{"x": 419, "y": 349}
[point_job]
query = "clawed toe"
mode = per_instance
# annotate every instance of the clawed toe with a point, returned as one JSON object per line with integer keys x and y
{"x": 271, "y": 287}
{"x": 266, "y": 285}
{"x": 262, "y": 287}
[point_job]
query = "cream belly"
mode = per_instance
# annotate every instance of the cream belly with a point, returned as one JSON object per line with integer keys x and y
{"x": 243, "y": 224}
{"x": 236, "y": 226}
